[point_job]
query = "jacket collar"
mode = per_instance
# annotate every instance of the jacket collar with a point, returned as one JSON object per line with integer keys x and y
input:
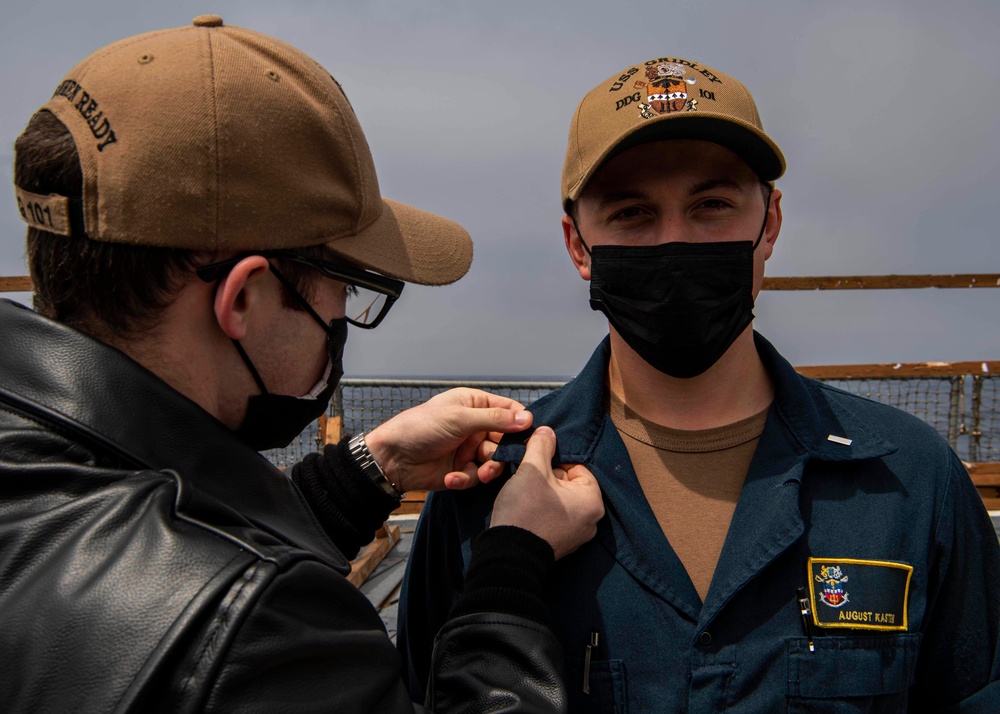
{"x": 78, "y": 384}
{"x": 803, "y": 406}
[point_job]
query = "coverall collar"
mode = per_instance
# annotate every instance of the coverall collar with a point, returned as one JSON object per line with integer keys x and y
{"x": 799, "y": 403}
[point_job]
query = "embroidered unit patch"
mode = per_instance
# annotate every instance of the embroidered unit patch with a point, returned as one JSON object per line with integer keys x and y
{"x": 859, "y": 594}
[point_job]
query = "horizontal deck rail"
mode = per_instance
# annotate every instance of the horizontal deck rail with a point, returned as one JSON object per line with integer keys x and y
{"x": 826, "y": 282}
{"x": 883, "y": 282}
{"x": 16, "y": 284}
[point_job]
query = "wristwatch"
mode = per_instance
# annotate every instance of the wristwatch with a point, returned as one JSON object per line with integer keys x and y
{"x": 367, "y": 463}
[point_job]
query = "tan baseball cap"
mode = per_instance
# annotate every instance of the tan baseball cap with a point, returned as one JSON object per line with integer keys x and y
{"x": 665, "y": 98}
{"x": 211, "y": 137}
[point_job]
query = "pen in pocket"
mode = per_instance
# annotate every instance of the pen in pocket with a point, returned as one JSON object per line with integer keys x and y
{"x": 806, "y": 616}
{"x": 586, "y": 662}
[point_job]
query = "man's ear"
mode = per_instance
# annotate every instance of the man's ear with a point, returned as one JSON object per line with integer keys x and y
{"x": 574, "y": 246}
{"x": 240, "y": 293}
{"x": 773, "y": 226}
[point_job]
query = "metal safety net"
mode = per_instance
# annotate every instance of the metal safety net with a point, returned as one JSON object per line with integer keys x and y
{"x": 964, "y": 409}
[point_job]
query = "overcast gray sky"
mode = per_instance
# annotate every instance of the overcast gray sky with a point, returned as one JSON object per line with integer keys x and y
{"x": 888, "y": 114}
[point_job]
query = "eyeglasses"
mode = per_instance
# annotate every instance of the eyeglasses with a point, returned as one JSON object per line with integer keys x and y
{"x": 369, "y": 295}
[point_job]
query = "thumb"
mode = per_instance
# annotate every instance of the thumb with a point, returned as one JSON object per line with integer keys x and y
{"x": 540, "y": 449}
{"x": 577, "y": 472}
{"x": 474, "y": 420}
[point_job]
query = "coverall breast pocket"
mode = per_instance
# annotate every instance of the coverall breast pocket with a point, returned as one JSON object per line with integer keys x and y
{"x": 608, "y": 688}
{"x": 851, "y": 674}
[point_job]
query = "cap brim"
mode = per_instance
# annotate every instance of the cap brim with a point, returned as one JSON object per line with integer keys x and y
{"x": 744, "y": 140}
{"x": 409, "y": 244}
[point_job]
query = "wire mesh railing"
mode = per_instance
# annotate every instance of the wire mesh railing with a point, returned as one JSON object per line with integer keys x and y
{"x": 937, "y": 401}
{"x": 363, "y": 404}
{"x": 984, "y": 432}
{"x": 963, "y": 408}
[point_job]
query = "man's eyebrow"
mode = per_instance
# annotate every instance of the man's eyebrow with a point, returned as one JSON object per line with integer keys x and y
{"x": 714, "y": 183}
{"x": 627, "y": 194}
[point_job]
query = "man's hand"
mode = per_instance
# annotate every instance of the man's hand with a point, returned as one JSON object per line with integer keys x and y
{"x": 561, "y": 506}
{"x": 436, "y": 445}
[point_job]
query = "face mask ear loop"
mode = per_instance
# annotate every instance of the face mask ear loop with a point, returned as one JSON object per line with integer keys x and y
{"x": 246, "y": 360}
{"x": 249, "y": 364}
{"x": 580, "y": 236}
{"x": 763, "y": 226}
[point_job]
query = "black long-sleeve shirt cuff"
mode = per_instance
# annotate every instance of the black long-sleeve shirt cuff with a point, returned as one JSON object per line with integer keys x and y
{"x": 508, "y": 574}
{"x": 509, "y": 565}
{"x": 346, "y": 502}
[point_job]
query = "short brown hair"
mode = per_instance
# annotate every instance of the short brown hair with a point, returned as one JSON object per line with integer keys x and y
{"x": 98, "y": 286}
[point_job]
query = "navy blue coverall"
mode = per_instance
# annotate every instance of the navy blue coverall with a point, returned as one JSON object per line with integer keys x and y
{"x": 862, "y": 505}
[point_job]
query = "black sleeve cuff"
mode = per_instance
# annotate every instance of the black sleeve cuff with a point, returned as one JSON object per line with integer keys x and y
{"x": 508, "y": 574}
{"x": 346, "y": 502}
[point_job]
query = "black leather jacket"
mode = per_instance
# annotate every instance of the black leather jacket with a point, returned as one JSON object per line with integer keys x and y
{"x": 151, "y": 562}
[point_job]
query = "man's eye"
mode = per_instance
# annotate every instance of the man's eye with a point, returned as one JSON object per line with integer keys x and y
{"x": 714, "y": 204}
{"x": 628, "y": 213}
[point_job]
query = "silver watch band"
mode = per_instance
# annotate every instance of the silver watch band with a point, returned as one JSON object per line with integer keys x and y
{"x": 367, "y": 463}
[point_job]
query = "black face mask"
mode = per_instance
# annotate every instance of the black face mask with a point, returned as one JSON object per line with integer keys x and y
{"x": 680, "y": 306}
{"x": 274, "y": 420}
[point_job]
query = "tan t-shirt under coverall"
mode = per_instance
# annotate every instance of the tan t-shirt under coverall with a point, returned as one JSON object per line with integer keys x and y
{"x": 692, "y": 480}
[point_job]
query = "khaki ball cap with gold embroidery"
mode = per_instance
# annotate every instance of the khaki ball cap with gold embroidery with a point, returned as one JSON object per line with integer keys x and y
{"x": 665, "y": 98}
{"x": 218, "y": 138}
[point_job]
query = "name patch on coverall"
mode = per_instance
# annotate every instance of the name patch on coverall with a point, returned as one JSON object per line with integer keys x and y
{"x": 859, "y": 594}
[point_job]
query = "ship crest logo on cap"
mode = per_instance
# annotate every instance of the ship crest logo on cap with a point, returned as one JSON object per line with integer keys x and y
{"x": 666, "y": 90}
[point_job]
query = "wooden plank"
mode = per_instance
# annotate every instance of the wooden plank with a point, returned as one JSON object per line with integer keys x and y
{"x": 409, "y": 508}
{"x": 984, "y": 475}
{"x": 321, "y": 430}
{"x": 412, "y": 503}
{"x": 15, "y": 284}
{"x": 364, "y": 564}
{"x": 899, "y": 369}
{"x": 882, "y": 282}
{"x": 332, "y": 430}
{"x": 992, "y": 504}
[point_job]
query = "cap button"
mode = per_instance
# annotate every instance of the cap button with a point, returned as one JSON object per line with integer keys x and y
{"x": 207, "y": 21}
